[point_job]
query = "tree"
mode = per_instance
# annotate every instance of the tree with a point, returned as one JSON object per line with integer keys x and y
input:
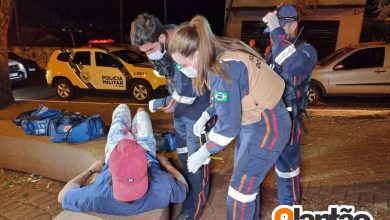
{"x": 306, "y": 8}
{"x": 6, "y": 96}
{"x": 383, "y": 9}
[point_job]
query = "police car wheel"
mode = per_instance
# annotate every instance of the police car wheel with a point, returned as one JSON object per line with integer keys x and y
{"x": 141, "y": 91}
{"x": 314, "y": 95}
{"x": 64, "y": 89}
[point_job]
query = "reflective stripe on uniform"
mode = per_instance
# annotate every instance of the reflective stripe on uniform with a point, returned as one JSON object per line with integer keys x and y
{"x": 289, "y": 109}
{"x": 219, "y": 139}
{"x": 287, "y": 175}
{"x": 286, "y": 53}
{"x": 181, "y": 150}
{"x": 226, "y": 60}
{"x": 240, "y": 196}
{"x": 183, "y": 99}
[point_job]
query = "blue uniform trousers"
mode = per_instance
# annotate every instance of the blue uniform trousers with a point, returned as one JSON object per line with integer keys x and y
{"x": 258, "y": 147}
{"x": 187, "y": 144}
{"x": 288, "y": 168}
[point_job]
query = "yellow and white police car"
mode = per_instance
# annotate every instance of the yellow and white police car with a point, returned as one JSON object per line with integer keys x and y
{"x": 102, "y": 68}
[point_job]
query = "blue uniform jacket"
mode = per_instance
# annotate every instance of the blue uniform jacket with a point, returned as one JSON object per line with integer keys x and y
{"x": 98, "y": 196}
{"x": 293, "y": 63}
{"x": 226, "y": 103}
{"x": 183, "y": 98}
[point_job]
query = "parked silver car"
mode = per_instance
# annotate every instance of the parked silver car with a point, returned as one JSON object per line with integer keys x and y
{"x": 352, "y": 70}
{"x": 16, "y": 70}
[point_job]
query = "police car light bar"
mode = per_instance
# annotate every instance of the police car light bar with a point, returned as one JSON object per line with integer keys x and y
{"x": 101, "y": 41}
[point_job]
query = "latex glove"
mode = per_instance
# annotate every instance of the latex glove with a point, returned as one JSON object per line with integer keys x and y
{"x": 151, "y": 106}
{"x": 272, "y": 21}
{"x": 197, "y": 159}
{"x": 200, "y": 125}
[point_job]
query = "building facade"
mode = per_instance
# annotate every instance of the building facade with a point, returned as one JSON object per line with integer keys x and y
{"x": 327, "y": 24}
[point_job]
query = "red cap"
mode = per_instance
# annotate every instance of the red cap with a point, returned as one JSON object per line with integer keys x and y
{"x": 129, "y": 171}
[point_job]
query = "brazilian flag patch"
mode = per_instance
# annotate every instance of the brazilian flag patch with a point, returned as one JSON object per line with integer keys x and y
{"x": 221, "y": 96}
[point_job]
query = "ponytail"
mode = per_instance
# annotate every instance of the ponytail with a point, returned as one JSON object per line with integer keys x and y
{"x": 197, "y": 36}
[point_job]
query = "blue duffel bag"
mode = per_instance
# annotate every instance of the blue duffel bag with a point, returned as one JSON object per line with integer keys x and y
{"x": 76, "y": 128}
{"x": 37, "y": 122}
{"x": 168, "y": 143}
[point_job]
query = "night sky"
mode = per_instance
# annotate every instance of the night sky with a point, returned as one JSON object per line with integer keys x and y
{"x": 102, "y": 16}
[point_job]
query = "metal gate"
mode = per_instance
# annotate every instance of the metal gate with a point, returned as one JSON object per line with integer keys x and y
{"x": 321, "y": 34}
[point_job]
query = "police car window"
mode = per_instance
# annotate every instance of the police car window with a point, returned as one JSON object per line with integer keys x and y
{"x": 64, "y": 57}
{"x": 106, "y": 60}
{"x": 130, "y": 57}
{"x": 82, "y": 58}
{"x": 366, "y": 58}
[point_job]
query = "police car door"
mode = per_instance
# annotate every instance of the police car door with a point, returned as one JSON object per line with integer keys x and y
{"x": 82, "y": 68}
{"x": 107, "y": 72}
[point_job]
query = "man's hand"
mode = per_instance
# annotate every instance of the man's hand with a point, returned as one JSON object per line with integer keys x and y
{"x": 200, "y": 125}
{"x": 272, "y": 21}
{"x": 151, "y": 106}
{"x": 162, "y": 160}
{"x": 172, "y": 170}
{"x": 97, "y": 166}
{"x": 80, "y": 180}
{"x": 197, "y": 159}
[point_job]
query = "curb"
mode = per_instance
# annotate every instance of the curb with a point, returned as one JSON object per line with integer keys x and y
{"x": 347, "y": 112}
{"x": 323, "y": 111}
{"x": 77, "y": 102}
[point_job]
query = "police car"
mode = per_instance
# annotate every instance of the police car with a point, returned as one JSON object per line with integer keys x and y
{"x": 102, "y": 68}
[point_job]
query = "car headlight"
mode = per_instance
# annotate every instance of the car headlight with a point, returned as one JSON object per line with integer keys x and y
{"x": 156, "y": 73}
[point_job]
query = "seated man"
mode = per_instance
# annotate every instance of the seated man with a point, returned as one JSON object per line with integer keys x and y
{"x": 131, "y": 181}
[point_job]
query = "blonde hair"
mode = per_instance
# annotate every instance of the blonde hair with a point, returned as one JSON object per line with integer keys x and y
{"x": 196, "y": 36}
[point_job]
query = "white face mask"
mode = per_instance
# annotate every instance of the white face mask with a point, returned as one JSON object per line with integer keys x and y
{"x": 190, "y": 72}
{"x": 157, "y": 55}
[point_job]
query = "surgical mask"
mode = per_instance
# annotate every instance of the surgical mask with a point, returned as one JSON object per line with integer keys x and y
{"x": 157, "y": 55}
{"x": 164, "y": 66}
{"x": 190, "y": 72}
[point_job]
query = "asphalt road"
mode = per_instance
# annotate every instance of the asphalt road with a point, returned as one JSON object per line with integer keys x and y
{"x": 36, "y": 88}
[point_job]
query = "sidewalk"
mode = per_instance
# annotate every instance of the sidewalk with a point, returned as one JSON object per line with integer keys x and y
{"x": 346, "y": 160}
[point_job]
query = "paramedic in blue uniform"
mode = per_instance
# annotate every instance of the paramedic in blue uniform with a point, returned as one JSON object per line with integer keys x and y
{"x": 246, "y": 97}
{"x": 294, "y": 61}
{"x": 151, "y": 37}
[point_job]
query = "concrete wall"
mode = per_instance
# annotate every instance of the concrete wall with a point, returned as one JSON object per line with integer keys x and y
{"x": 40, "y": 55}
{"x": 351, "y": 18}
{"x": 351, "y": 22}
{"x": 269, "y": 3}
